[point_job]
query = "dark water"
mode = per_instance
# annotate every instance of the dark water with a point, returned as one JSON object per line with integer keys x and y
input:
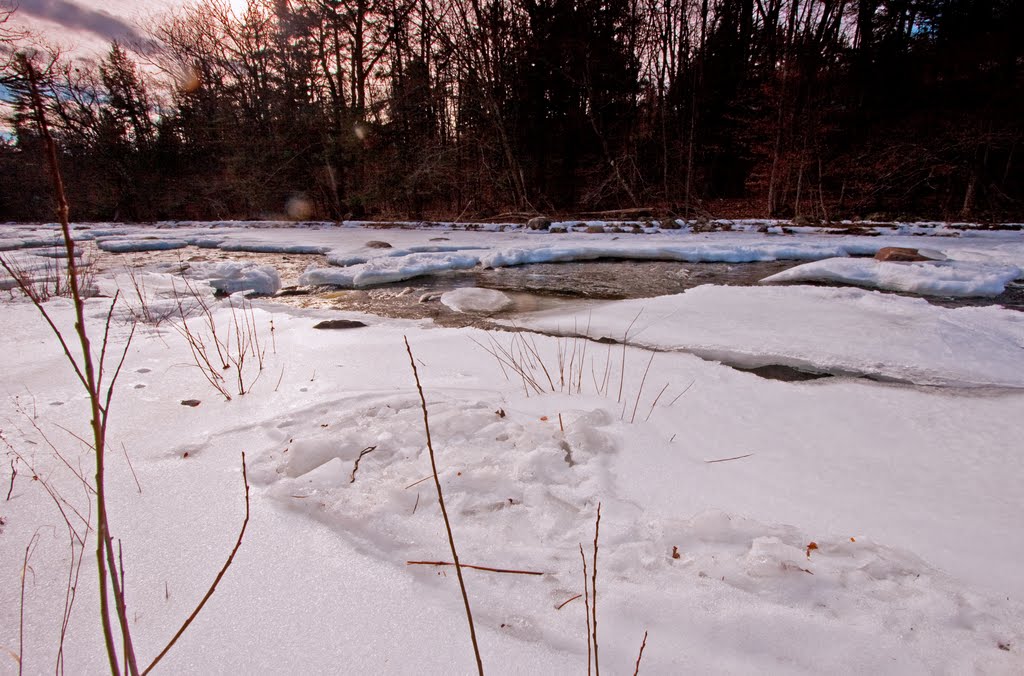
{"x": 617, "y": 279}
{"x": 539, "y": 287}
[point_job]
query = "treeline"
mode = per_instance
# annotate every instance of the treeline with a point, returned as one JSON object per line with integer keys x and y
{"x": 474, "y": 108}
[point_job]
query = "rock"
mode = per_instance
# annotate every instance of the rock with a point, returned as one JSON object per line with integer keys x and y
{"x": 900, "y": 254}
{"x": 538, "y": 223}
{"x": 670, "y": 224}
{"x": 595, "y": 229}
{"x": 557, "y": 229}
{"x": 339, "y": 324}
{"x": 878, "y": 217}
{"x": 292, "y": 291}
{"x": 806, "y": 221}
{"x": 438, "y": 239}
{"x": 377, "y": 244}
{"x": 190, "y": 402}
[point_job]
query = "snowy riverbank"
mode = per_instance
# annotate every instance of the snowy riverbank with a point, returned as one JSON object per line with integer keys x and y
{"x": 713, "y": 482}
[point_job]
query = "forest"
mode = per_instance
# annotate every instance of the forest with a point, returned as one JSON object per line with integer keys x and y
{"x": 497, "y": 109}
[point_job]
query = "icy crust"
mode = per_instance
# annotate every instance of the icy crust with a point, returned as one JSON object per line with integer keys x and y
{"x": 521, "y": 491}
{"x": 474, "y": 300}
{"x": 838, "y": 331}
{"x": 939, "y": 278}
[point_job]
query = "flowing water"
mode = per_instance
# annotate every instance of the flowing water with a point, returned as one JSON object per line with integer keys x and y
{"x": 571, "y": 286}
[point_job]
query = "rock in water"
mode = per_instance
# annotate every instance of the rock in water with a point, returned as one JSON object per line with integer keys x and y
{"x": 339, "y": 324}
{"x": 539, "y": 223}
{"x": 377, "y": 244}
{"x": 899, "y": 254}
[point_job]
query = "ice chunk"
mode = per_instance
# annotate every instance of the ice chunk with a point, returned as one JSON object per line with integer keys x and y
{"x": 231, "y": 277}
{"x": 132, "y": 245}
{"x": 471, "y": 299}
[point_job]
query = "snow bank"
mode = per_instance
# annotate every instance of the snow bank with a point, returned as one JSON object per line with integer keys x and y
{"x": 474, "y": 300}
{"x": 841, "y": 331}
{"x": 698, "y": 252}
{"x": 365, "y": 267}
{"x": 940, "y": 278}
{"x": 347, "y": 257}
{"x": 272, "y": 247}
{"x": 387, "y": 269}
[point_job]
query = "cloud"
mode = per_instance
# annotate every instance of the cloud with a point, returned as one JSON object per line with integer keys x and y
{"x": 76, "y": 17}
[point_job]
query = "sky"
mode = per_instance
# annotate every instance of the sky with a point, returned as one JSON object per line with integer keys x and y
{"x": 86, "y": 27}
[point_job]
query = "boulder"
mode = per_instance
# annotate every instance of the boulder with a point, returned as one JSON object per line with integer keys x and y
{"x": 339, "y": 324}
{"x": 377, "y": 244}
{"x": 595, "y": 229}
{"x": 539, "y": 223}
{"x": 899, "y": 254}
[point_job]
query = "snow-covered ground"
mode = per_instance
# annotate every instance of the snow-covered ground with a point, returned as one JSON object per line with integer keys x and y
{"x": 841, "y": 525}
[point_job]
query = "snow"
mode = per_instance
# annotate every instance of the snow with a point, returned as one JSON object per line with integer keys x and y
{"x": 908, "y": 488}
{"x": 941, "y": 278}
{"x": 838, "y": 331}
{"x": 471, "y": 299}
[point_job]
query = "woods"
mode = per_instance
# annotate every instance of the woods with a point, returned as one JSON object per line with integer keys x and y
{"x": 331, "y": 109}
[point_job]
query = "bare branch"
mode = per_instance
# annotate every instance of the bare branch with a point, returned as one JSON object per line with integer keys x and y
{"x": 216, "y": 581}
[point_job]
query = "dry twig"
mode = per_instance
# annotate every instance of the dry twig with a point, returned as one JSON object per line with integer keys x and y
{"x": 216, "y": 581}
{"x": 566, "y": 602}
{"x": 640, "y": 656}
{"x": 509, "y": 571}
{"x": 586, "y": 611}
{"x": 593, "y": 592}
{"x": 738, "y": 457}
{"x": 355, "y": 468}
{"x": 444, "y": 512}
